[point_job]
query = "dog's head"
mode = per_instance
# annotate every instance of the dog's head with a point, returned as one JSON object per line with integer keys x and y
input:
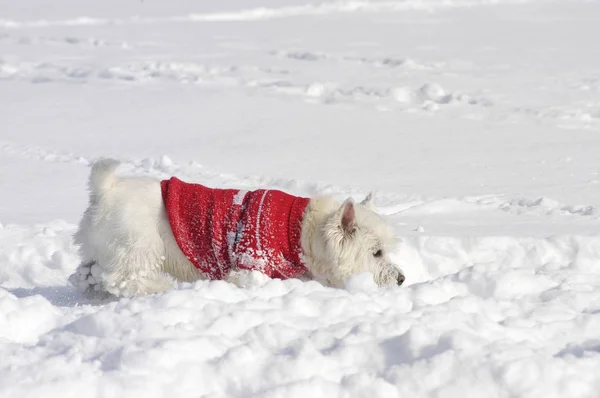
{"x": 356, "y": 239}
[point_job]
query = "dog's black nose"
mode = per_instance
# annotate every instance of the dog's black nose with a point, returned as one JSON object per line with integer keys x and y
{"x": 400, "y": 279}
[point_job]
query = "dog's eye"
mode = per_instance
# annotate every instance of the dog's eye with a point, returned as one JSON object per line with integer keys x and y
{"x": 378, "y": 253}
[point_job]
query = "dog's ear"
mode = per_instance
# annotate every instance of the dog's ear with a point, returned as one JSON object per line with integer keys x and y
{"x": 368, "y": 201}
{"x": 348, "y": 216}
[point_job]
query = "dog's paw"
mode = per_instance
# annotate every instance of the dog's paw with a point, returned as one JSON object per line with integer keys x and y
{"x": 80, "y": 278}
{"x": 85, "y": 280}
{"x": 90, "y": 281}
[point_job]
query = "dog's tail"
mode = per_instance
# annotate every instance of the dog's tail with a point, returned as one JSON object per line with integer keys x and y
{"x": 102, "y": 177}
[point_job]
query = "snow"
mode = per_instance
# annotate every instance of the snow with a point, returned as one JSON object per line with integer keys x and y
{"x": 476, "y": 123}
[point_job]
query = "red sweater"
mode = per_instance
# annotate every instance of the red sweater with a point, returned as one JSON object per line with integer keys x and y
{"x": 223, "y": 229}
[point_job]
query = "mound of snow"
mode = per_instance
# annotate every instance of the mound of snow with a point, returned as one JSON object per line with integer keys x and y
{"x": 362, "y": 282}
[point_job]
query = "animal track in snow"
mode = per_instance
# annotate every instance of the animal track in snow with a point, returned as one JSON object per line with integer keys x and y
{"x": 546, "y": 206}
{"x": 66, "y": 41}
{"x": 381, "y": 61}
{"x": 184, "y": 72}
{"x": 585, "y": 115}
{"x": 269, "y": 80}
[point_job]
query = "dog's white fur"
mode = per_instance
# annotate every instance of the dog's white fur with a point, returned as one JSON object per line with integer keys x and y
{"x": 128, "y": 248}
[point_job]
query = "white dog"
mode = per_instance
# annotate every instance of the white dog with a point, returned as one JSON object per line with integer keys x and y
{"x": 140, "y": 234}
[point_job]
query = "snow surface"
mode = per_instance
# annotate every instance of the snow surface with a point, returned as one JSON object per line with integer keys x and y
{"x": 477, "y": 123}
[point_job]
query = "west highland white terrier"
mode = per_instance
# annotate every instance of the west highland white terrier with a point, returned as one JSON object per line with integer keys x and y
{"x": 138, "y": 235}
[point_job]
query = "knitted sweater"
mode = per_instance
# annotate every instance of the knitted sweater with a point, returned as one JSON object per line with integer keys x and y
{"x": 220, "y": 230}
